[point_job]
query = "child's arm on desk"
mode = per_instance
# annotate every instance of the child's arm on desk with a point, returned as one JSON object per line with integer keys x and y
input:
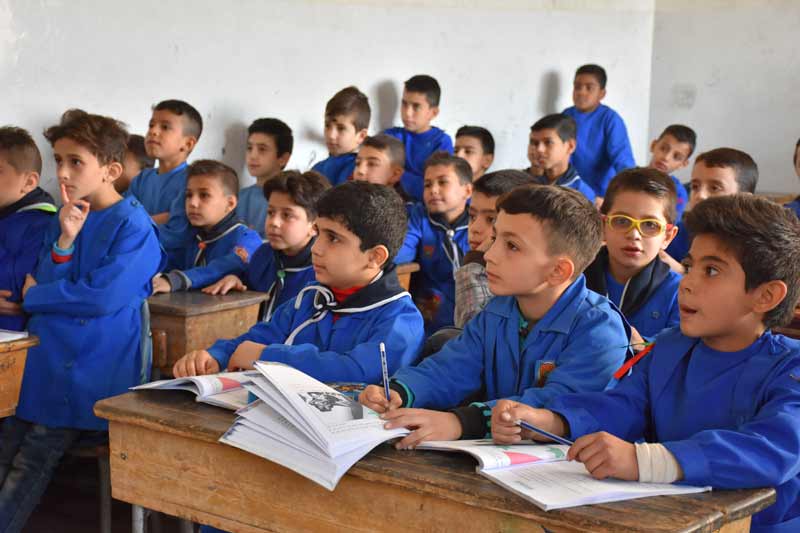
{"x": 160, "y": 218}
{"x": 225, "y": 285}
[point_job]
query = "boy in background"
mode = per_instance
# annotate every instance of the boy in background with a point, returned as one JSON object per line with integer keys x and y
{"x": 381, "y": 160}
{"x": 475, "y": 145}
{"x": 136, "y": 160}
{"x": 670, "y": 153}
{"x": 347, "y": 117}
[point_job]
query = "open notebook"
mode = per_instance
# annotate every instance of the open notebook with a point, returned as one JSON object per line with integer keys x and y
{"x": 223, "y": 390}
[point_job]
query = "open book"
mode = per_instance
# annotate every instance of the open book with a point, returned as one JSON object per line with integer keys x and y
{"x": 541, "y": 474}
{"x": 305, "y": 425}
{"x": 7, "y": 335}
{"x": 223, "y": 390}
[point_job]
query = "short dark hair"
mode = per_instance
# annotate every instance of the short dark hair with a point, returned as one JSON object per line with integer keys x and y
{"x": 427, "y": 85}
{"x": 104, "y": 137}
{"x": 136, "y": 147}
{"x": 391, "y": 145}
{"x": 192, "y": 120}
{"x": 480, "y": 133}
{"x": 278, "y": 130}
{"x": 499, "y": 182}
{"x": 374, "y": 213}
{"x": 742, "y": 164}
{"x": 565, "y": 126}
{"x": 594, "y": 70}
{"x": 646, "y": 180}
{"x": 226, "y": 176}
{"x": 20, "y": 150}
{"x": 763, "y": 236}
{"x": 305, "y": 189}
{"x": 682, "y": 134}
{"x": 446, "y": 159}
{"x": 572, "y": 223}
{"x": 350, "y": 102}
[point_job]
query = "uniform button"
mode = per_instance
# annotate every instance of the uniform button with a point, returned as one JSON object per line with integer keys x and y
{"x": 82, "y": 322}
{"x": 655, "y": 314}
{"x": 66, "y": 400}
{"x": 69, "y": 364}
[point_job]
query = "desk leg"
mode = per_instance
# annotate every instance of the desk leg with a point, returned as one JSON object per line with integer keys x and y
{"x": 138, "y": 518}
{"x": 186, "y": 526}
{"x": 737, "y": 526}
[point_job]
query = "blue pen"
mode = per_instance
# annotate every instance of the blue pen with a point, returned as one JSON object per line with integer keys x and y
{"x": 385, "y": 371}
{"x": 529, "y": 427}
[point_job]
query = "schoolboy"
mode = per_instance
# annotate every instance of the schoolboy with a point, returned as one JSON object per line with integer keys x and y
{"x": 333, "y": 329}
{"x": 25, "y": 212}
{"x": 217, "y": 243}
{"x": 381, "y": 160}
{"x": 282, "y": 266}
{"x": 347, "y": 117}
{"x": 716, "y": 402}
{"x": 794, "y": 205}
{"x": 603, "y": 149}
{"x": 475, "y": 145}
{"x": 543, "y": 335}
{"x": 269, "y": 147}
{"x": 670, "y": 153}
{"x": 552, "y": 142}
{"x": 638, "y": 222}
{"x": 418, "y": 107}
{"x": 136, "y": 160}
{"x": 437, "y": 237}
{"x": 85, "y": 300}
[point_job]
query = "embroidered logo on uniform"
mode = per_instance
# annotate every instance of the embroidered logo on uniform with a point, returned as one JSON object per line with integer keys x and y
{"x": 427, "y": 251}
{"x": 242, "y": 253}
{"x": 655, "y": 314}
{"x": 544, "y": 369}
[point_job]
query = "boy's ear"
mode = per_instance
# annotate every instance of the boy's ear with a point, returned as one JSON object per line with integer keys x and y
{"x": 769, "y": 295}
{"x": 562, "y": 271}
{"x": 469, "y": 190}
{"x": 571, "y": 145}
{"x": 283, "y": 159}
{"x": 397, "y": 173}
{"x": 434, "y": 112}
{"x": 189, "y": 142}
{"x": 30, "y": 182}
{"x": 232, "y": 202}
{"x": 668, "y": 236}
{"x": 653, "y": 146}
{"x": 361, "y": 135}
{"x": 377, "y": 256}
{"x": 487, "y": 161}
{"x": 602, "y": 93}
{"x": 113, "y": 171}
{"x": 685, "y": 163}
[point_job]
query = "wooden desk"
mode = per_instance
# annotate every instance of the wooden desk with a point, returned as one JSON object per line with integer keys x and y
{"x": 778, "y": 197}
{"x": 793, "y": 329}
{"x": 186, "y": 321}
{"x": 12, "y": 365}
{"x": 404, "y": 272}
{"x": 165, "y": 456}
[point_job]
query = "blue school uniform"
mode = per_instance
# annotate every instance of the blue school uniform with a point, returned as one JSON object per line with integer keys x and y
{"x": 279, "y": 275}
{"x": 22, "y": 228}
{"x": 794, "y": 205}
{"x": 679, "y": 247}
{"x": 252, "y": 208}
{"x": 87, "y": 315}
{"x": 419, "y": 147}
{"x": 570, "y": 179}
{"x": 682, "y": 199}
{"x": 337, "y": 168}
{"x": 208, "y": 256}
{"x": 729, "y": 418}
{"x": 338, "y": 341}
{"x": 439, "y": 249}
{"x": 649, "y": 300}
{"x": 603, "y": 148}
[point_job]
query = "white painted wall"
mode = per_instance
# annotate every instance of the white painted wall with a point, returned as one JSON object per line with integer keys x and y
{"x": 731, "y": 70}
{"x": 502, "y": 63}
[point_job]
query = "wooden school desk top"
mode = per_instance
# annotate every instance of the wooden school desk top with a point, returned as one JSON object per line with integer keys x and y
{"x": 193, "y": 303}
{"x": 165, "y": 456}
{"x": 13, "y": 355}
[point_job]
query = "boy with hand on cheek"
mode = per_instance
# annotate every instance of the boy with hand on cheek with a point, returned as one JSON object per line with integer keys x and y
{"x": 380, "y": 160}
{"x": 347, "y": 117}
{"x": 670, "y": 153}
{"x": 475, "y": 145}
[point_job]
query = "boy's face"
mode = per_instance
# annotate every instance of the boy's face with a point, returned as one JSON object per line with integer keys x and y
{"x": 374, "y": 166}
{"x": 14, "y": 185}
{"x": 341, "y": 136}
{"x": 711, "y": 181}
{"x": 629, "y": 252}
{"x": 482, "y": 214}
{"x": 550, "y": 153}
{"x": 470, "y": 149}
{"x": 416, "y": 112}
{"x": 80, "y": 172}
{"x": 337, "y": 258}
{"x": 130, "y": 169}
{"x": 287, "y": 226}
{"x": 262, "y": 158}
{"x": 669, "y": 154}
{"x": 443, "y": 193}
{"x": 586, "y": 93}
{"x": 165, "y": 139}
{"x": 206, "y": 201}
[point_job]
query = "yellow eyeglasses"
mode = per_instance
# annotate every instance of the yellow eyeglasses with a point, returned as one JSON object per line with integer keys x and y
{"x": 647, "y": 227}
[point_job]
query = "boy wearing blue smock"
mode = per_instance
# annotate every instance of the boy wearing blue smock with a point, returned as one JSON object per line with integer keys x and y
{"x": 85, "y": 301}
{"x": 543, "y": 335}
{"x": 347, "y": 117}
{"x": 717, "y": 401}
{"x": 670, "y": 153}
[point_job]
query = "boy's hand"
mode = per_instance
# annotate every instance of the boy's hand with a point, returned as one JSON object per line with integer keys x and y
{"x": 425, "y": 423}
{"x": 245, "y": 355}
{"x": 196, "y": 363}
{"x": 226, "y": 284}
{"x": 161, "y": 218}
{"x": 8, "y": 308}
{"x": 605, "y": 455}
{"x": 29, "y": 282}
{"x": 71, "y": 217}
{"x": 637, "y": 341}
{"x": 506, "y": 412}
{"x": 671, "y": 262}
{"x": 374, "y": 397}
{"x": 160, "y": 284}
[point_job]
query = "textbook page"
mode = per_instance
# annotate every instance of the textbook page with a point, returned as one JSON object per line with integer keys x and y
{"x": 7, "y": 335}
{"x": 492, "y": 456}
{"x": 223, "y": 389}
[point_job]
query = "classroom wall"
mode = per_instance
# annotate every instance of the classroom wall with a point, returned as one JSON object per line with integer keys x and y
{"x": 502, "y": 63}
{"x": 730, "y": 69}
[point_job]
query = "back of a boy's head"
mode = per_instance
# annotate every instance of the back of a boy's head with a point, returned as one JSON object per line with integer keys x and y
{"x": 427, "y": 85}
{"x": 304, "y": 188}
{"x": 762, "y": 235}
{"x": 501, "y": 181}
{"x": 564, "y": 125}
{"x": 19, "y": 150}
{"x": 104, "y": 137}
{"x": 350, "y": 102}
{"x": 741, "y": 163}
{"x": 391, "y": 146}
{"x": 225, "y": 175}
{"x": 480, "y": 133}
{"x": 594, "y": 70}
{"x": 458, "y": 164}
{"x": 645, "y": 180}
{"x": 682, "y": 134}
{"x": 192, "y": 120}
{"x": 136, "y": 147}
{"x": 374, "y": 213}
{"x": 571, "y": 222}
{"x": 280, "y": 132}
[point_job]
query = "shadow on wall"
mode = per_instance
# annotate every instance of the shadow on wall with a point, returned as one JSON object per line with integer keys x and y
{"x": 549, "y": 93}
{"x": 385, "y": 102}
{"x": 234, "y": 149}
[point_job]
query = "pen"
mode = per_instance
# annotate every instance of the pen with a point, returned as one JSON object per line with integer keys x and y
{"x": 529, "y": 427}
{"x": 385, "y": 371}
